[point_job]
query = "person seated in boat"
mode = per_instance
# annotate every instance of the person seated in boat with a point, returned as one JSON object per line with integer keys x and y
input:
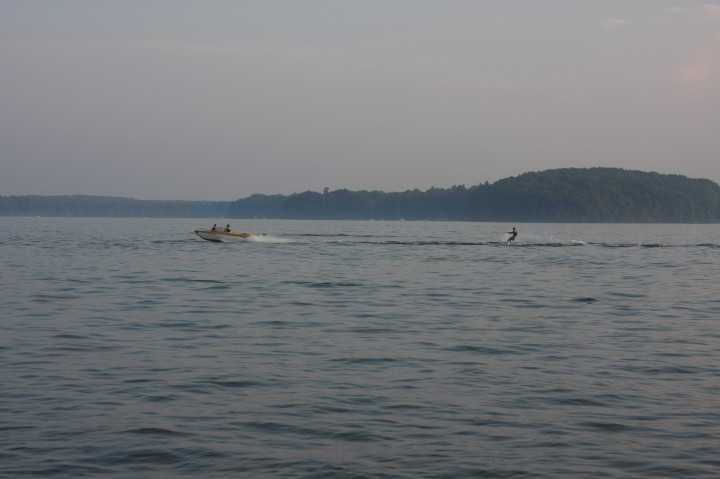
{"x": 214, "y": 228}
{"x": 228, "y": 229}
{"x": 513, "y": 234}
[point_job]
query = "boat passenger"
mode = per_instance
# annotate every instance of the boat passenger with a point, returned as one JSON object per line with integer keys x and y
{"x": 214, "y": 228}
{"x": 228, "y": 229}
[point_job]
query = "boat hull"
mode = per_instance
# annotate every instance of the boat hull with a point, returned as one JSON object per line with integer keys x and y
{"x": 221, "y": 236}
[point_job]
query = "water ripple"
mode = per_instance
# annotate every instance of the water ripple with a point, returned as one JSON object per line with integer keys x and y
{"x": 359, "y": 350}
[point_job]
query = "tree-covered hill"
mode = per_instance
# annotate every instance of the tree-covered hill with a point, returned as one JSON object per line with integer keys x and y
{"x": 598, "y": 195}
{"x": 563, "y": 195}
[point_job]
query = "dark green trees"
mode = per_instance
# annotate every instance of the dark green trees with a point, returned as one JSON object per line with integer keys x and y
{"x": 564, "y": 195}
{"x": 108, "y": 206}
{"x": 433, "y": 204}
{"x": 598, "y": 195}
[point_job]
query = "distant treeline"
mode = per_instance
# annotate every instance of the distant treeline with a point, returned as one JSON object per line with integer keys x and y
{"x": 433, "y": 204}
{"x": 564, "y": 195}
{"x": 608, "y": 195}
{"x": 109, "y": 206}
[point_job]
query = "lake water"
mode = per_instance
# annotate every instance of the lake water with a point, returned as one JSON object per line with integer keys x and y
{"x": 340, "y": 349}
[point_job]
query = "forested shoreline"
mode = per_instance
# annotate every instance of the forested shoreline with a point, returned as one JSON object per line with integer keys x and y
{"x": 609, "y": 195}
{"x": 108, "y": 206}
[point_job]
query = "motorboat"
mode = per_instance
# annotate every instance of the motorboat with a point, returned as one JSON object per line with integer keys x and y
{"x": 221, "y": 236}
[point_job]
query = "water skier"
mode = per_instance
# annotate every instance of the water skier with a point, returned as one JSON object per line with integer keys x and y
{"x": 513, "y": 234}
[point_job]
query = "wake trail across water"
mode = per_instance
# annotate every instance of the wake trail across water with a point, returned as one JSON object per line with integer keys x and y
{"x": 515, "y": 244}
{"x": 266, "y": 239}
{"x": 350, "y": 239}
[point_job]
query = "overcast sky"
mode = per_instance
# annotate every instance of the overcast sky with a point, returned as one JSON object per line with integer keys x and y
{"x": 220, "y": 99}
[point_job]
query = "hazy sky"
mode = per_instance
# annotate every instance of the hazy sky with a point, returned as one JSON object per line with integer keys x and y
{"x": 220, "y": 99}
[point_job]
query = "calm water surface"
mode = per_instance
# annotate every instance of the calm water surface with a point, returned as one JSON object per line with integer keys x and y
{"x": 132, "y": 348}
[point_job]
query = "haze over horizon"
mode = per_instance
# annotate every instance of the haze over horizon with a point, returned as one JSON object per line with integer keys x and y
{"x": 217, "y": 100}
